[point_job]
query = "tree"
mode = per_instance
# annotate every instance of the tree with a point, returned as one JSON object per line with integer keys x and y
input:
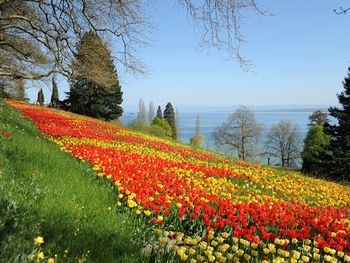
{"x": 318, "y": 117}
{"x": 196, "y": 140}
{"x": 338, "y": 167}
{"x": 41, "y": 98}
{"x": 162, "y": 123}
{"x": 240, "y": 133}
{"x": 283, "y": 143}
{"x": 32, "y": 30}
{"x": 54, "y": 27}
{"x": 159, "y": 113}
{"x": 151, "y": 112}
{"x": 92, "y": 98}
{"x": 54, "y": 96}
{"x": 316, "y": 151}
{"x": 142, "y": 111}
{"x": 169, "y": 116}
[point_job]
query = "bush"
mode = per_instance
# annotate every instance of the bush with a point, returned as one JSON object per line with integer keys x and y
{"x": 164, "y": 125}
{"x": 138, "y": 125}
{"x": 196, "y": 141}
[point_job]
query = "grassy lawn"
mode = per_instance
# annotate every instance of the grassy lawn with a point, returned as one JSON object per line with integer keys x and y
{"x": 45, "y": 192}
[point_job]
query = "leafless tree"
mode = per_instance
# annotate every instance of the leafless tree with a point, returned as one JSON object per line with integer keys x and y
{"x": 151, "y": 112}
{"x": 341, "y": 10}
{"x": 142, "y": 111}
{"x": 50, "y": 29}
{"x": 220, "y": 22}
{"x": 283, "y": 142}
{"x": 239, "y": 133}
{"x": 38, "y": 37}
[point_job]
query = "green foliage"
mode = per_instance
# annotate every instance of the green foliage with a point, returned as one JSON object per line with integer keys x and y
{"x": 159, "y": 113}
{"x": 54, "y": 96}
{"x": 159, "y": 127}
{"x": 98, "y": 99}
{"x": 339, "y": 166}
{"x": 196, "y": 141}
{"x": 316, "y": 151}
{"x": 169, "y": 116}
{"x": 41, "y": 98}
{"x": 164, "y": 125}
{"x": 47, "y": 192}
{"x": 138, "y": 125}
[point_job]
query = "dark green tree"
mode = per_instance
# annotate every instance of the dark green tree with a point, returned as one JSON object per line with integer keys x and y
{"x": 159, "y": 113}
{"x": 98, "y": 99}
{"x": 316, "y": 152}
{"x": 54, "y": 95}
{"x": 339, "y": 165}
{"x": 41, "y": 98}
{"x": 169, "y": 116}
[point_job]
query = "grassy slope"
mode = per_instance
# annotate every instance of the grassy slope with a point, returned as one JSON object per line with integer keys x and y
{"x": 44, "y": 191}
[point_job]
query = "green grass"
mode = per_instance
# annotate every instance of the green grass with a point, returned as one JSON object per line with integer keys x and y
{"x": 46, "y": 192}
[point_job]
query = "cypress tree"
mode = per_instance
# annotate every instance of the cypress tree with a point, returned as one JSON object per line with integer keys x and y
{"x": 339, "y": 165}
{"x": 169, "y": 116}
{"x": 54, "y": 95}
{"x": 159, "y": 113}
{"x": 100, "y": 98}
{"x": 41, "y": 98}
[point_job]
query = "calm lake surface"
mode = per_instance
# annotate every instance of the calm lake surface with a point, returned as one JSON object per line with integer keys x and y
{"x": 210, "y": 119}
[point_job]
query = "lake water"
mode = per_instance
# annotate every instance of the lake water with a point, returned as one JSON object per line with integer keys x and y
{"x": 210, "y": 119}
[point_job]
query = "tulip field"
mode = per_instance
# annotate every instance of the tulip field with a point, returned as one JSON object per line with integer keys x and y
{"x": 204, "y": 207}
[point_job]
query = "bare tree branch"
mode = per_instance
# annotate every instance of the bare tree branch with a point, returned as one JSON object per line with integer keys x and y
{"x": 342, "y": 11}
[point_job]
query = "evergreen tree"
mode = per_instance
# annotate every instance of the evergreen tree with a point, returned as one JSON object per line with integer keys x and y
{"x": 169, "y": 116}
{"x": 159, "y": 113}
{"x": 316, "y": 151}
{"x": 339, "y": 165}
{"x": 99, "y": 99}
{"x": 41, "y": 98}
{"x": 54, "y": 95}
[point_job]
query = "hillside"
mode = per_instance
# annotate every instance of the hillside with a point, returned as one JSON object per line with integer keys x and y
{"x": 201, "y": 206}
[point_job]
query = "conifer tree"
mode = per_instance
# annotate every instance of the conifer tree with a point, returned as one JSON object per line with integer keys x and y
{"x": 99, "y": 99}
{"x": 159, "y": 113}
{"x": 54, "y": 95}
{"x": 339, "y": 165}
{"x": 169, "y": 116}
{"x": 41, "y": 98}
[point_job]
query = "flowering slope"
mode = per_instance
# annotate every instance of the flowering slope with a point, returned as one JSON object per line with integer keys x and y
{"x": 213, "y": 208}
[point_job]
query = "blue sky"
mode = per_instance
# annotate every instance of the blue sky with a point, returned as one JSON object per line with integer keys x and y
{"x": 300, "y": 56}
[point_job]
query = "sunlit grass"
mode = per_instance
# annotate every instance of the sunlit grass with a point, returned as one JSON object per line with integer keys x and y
{"x": 46, "y": 192}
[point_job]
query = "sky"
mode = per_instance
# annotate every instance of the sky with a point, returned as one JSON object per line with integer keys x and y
{"x": 300, "y": 56}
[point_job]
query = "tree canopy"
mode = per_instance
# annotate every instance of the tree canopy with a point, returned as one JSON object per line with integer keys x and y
{"x": 39, "y": 38}
{"x": 240, "y": 133}
{"x": 169, "y": 116}
{"x": 95, "y": 98}
{"x": 339, "y": 165}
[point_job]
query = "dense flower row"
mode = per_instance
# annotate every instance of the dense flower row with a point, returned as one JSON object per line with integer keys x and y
{"x": 229, "y": 210}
